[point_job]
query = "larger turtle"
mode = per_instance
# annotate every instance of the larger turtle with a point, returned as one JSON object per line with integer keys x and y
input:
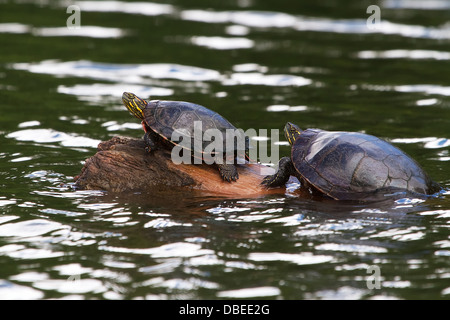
{"x": 348, "y": 165}
{"x": 171, "y": 123}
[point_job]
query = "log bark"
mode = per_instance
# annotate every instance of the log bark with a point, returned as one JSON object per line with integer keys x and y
{"x": 122, "y": 165}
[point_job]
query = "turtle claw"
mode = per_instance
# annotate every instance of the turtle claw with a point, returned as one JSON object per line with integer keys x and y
{"x": 228, "y": 172}
{"x": 151, "y": 143}
{"x": 285, "y": 168}
{"x": 230, "y": 178}
{"x": 268, "y": 181}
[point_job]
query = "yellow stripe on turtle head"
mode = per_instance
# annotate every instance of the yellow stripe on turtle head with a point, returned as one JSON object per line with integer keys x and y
{"x": 291, "y": 132}
{"x": 134, "y": 104}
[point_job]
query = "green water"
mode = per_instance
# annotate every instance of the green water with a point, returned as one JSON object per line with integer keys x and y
{"x": 259, "y": 64}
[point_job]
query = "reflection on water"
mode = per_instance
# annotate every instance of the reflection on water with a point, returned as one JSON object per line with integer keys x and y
{"x": 430, "y": 143}
{"x": 99, "y": 93}
{"x": 144, "y": 8}
{"x": 145, "y": 74}
{"x": 51, "y": 136}
{"x": 425, "y": 88}
{"x": 260, "y": 67}
{"x": 222, "y": 43}
{"x": 83, "y": 31}
{"x": 282, "y": 20}
{"x": 14, "y": 28}
{"x": 254, "y": 19}
{"x": 228, "y": 238}
{"x": 405, "y": 54}
{"x": 116, "y": 72}
{"x": 415, "y": 4}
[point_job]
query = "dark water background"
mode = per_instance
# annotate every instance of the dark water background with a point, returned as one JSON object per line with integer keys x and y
{"x": 260, "y": 64}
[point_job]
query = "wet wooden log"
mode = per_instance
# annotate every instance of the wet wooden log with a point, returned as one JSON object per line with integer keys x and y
{"x": 122, "y": 165}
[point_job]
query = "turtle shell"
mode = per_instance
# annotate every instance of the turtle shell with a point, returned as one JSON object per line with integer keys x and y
{"x": 193, "y": 121}
{"x": 349, "y": 165}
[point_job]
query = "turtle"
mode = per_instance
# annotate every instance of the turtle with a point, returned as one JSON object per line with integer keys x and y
{"x": 170, "y": 123}
{"x": 348, "y": 165}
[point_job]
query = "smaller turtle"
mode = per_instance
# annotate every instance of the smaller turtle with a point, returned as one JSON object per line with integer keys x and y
{"x": 161, "y": 119}
{"x": 348, "y": 165}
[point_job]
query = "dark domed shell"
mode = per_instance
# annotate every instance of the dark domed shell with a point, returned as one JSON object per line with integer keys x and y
{"x": 348, "y": 165}
{"x": 167, "y": 117}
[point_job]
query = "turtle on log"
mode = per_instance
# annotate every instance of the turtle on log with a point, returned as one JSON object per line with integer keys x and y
{"x": 171, "y": 123}
{"x": 349, "y": 165}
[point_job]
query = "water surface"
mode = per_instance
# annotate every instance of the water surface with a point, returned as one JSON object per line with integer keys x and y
{"x": 259, "y": 64}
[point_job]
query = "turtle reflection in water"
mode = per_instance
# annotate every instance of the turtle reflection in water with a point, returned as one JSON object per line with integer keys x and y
{"x": 348, "y": 165}
{"x": 160, "y": 119}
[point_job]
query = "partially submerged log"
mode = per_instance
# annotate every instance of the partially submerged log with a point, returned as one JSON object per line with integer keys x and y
{"x": 122, "y": 165}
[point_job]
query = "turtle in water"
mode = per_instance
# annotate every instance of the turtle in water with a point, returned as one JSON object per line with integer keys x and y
{"x": 170, "y": 122}
{"x": 348, "y": 165}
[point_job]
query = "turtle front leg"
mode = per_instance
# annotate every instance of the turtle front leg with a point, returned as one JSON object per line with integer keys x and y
{"x": 228, "y": 172}
{"x": 151, "y": 141}
{"x": 285, "y": 169}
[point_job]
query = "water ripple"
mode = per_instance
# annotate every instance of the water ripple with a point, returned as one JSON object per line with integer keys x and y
{"x": 429, "y": 142}
{"x": 82, "y": 31}
{"x": 414, "y": 4}
{"x": 140, "y": 8}
{"x": 132, "y": 73}
{"x": 353, "y": 248}
{"x": 425, "y": 88}
{"x": 255, "y": 78}
{"x": 51, "y": 136}
{"x": 265, "y": 19}
{"x": 29, "y": 228}
{"x": 404, "y": 54}
{"x": 96, "y": 93}
{"x": 72, "y": 286}
{"x": 12, "y": 291}
{"x": 304, "y": 258}
{"x": 246, "y": 293}
{"x": 144, "y": 73}
{"x": 180, "y": 249}
{"x": 222, "y": 43}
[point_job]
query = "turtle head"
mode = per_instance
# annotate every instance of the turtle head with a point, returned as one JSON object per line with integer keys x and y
{"x": 134, "y": 104}
{"x": 291, "y": 132}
